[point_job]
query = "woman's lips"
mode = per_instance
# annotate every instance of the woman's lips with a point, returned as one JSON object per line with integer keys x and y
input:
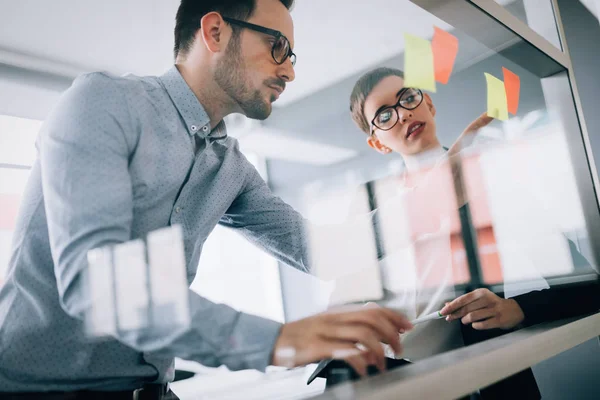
{"x": 414, "y": 130}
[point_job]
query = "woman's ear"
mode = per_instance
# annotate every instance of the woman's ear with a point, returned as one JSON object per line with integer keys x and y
{"x": 375, "y": 144}
{"x": 429, "y": 103}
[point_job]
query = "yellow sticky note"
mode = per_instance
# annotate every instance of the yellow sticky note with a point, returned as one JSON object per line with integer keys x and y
{"x": 496, "y": 98}
{"x": 419, "y": 70}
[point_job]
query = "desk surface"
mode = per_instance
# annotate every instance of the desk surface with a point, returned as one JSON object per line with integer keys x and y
{"x": 463, "y": 371}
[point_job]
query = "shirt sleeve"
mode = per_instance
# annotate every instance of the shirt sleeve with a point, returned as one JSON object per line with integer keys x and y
{"x": 560, "y": 302}
{"x": 85, "y": 148}
{"x": 269, "y": 222}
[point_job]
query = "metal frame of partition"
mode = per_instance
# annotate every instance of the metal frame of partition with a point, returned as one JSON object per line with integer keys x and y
{"x": 494, "y": 26}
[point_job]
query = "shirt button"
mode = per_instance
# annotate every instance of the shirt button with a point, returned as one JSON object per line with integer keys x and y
{"x": 194, "y": 128}
{"x": 178, "y": 210}
{"x": 205, "y": 128}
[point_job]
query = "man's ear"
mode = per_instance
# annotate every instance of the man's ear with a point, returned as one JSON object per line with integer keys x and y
{"x": 214, "y": 32}
{"x": 375, "y": 144}
{"x": 429, "y": 103}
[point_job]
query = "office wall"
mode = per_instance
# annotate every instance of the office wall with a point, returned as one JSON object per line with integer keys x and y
{"x": 29, "y": 94}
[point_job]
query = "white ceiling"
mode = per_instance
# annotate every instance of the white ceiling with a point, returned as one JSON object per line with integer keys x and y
{"x": 114, "y": 35}
{"x": 334, "y": 38}
{"x": 593, "y": 6}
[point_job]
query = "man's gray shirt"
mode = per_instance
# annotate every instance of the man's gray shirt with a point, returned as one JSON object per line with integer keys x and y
{"x": 118, "y": 158}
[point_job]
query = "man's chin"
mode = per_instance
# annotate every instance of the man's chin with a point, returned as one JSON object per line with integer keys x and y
{"x": 261, "y": 113}
{"x": 257, "y": 109}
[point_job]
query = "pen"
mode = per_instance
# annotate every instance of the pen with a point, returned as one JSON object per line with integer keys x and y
{"x": 428, "y": 317}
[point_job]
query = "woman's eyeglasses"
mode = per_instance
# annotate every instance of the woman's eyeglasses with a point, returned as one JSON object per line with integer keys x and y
{"x": 281, "y": 49}
{"x": 387, "y": 117}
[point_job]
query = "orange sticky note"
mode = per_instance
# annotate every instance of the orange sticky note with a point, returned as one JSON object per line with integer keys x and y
{"x": 445, "y": 49}
{"x": 512, "y": 84}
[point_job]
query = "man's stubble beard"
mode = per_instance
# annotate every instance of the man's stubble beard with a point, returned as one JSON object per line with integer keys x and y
{"x": 231, "y": 77}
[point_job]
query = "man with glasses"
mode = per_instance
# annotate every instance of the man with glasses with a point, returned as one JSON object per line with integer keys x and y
{"x": 120, "y": 157}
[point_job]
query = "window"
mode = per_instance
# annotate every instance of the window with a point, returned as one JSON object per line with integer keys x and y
{"x": 246, "y": 279}
{"x": 17, "y": 155}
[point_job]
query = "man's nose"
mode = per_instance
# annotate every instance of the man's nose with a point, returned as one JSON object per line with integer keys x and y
{"x": 286, "y": 71}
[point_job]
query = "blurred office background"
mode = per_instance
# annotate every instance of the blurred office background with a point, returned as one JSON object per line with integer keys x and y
{"x": 309, "y": 148}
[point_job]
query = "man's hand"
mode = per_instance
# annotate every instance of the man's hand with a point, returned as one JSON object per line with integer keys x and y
{"x": 351, "y": 334}
{"x": 484, "y": 310}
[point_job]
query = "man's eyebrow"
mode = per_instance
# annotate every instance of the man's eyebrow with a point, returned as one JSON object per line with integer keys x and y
{"x": 385, "y": 105}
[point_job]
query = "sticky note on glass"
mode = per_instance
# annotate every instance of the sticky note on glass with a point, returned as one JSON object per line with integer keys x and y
{"x": 512, "y": 84}
{"x": 496, "y": 98}
{"x": 418, "y": 63}
{"x": 445, "y": 49}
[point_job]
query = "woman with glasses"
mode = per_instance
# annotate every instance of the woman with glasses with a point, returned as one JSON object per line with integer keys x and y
{"x": 402, "y": 120}
{"x": 399, "y": 119}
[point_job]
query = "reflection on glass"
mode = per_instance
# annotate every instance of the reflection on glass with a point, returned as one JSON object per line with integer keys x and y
{"x": 130, "y": 292}
{"x": 168, "y": 277}
{"x": 131, "y": 279}
{"x": 102, "y": 319}
{"x": 420, "y": 235}
{"x": 342, "y": 246}
{"x": 442, "y": 202}
{"x": 538, "y": 15}
{"x": 533, "y": 204}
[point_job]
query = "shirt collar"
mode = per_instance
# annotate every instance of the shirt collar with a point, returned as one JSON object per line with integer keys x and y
{"x": 195, "y": 117}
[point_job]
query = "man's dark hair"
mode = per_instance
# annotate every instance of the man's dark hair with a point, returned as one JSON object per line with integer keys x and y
{"x": 363, "y": 87}
{"x": 190, "y": 12}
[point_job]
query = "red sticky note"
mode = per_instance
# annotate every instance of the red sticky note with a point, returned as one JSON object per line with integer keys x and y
{"x": 512, "y": 85}
{"x": 445, "y": 49}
